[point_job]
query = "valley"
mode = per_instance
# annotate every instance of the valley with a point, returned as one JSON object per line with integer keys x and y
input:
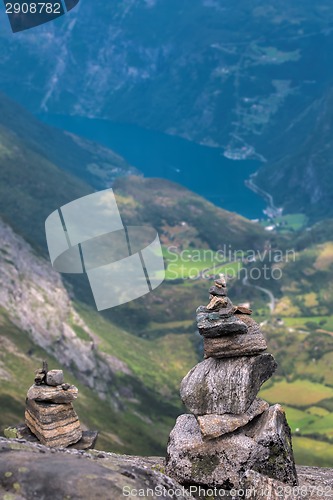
{"x": 128, "y": 361}
{"x": 169, "y": 157}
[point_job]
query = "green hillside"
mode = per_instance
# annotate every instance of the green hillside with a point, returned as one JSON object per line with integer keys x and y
{"x": 91, "y": 162}
{"x": 140, "y": 427}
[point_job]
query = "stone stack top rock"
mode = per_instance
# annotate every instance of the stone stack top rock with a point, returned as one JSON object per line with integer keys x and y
{"x": 219, "y": 288}
{"x": 228, "y": 330}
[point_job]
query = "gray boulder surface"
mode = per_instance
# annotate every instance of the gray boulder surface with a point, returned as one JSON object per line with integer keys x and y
{"x": 213, "y": 426}
{"x": 263, "y": 445}
{"x": 32, "y": 471}
{"x": 51, "y": 394}
{"x": 214, "y": 324}
{"x": 227, "y": 385}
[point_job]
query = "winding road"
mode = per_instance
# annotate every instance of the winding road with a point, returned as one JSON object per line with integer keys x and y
{"x": 245, "y": 282}
{"x": 274, "y": 211}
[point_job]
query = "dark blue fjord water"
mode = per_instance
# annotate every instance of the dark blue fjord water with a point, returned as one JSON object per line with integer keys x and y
{"x": 202, "y": 169}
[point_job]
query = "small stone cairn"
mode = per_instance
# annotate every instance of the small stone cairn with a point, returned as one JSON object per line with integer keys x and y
{"x": 230, "y": 432}
{"x": 49, "y": 412}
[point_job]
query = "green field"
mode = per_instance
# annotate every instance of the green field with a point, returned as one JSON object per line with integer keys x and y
{"x": 322, "y": 322}
{"x": 287, "y": 223}
{"x": 312, "y": 452}
{"x": 191, "y": 264}
{"x": 162, "y": 374}
{"x": 298, "y": 393}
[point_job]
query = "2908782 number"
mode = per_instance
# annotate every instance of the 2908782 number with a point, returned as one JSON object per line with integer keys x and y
{"x": 33, "y": 8}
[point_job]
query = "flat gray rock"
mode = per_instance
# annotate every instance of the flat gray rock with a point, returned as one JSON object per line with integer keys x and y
{"x": 213, "y": 324}
{"x": 52, "y": 394}
{"x": 234, "y": 345}
{"x": 227, "y": 385}
{"x": 265, "y": 448}
{"x": 252, "y": 326}
{"x": 213, "y": 426}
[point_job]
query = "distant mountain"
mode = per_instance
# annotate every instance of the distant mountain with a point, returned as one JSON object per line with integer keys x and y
{"x": 201, "y": 69}
{"x": 302, "y": 180}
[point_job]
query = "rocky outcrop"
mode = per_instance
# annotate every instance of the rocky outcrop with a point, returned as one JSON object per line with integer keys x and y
{"x": 56, "y": 394}
{"x": 29, "y": 471}
{"x": 36, "y": 301}
{"x": 229, "y": 431}
{"x": 263, "y": 445}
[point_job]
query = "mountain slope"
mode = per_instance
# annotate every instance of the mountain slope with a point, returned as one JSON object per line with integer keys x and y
{"x": 121, "y": 394}
{"x": 302, "y": 181}
{"x": 180, "y": 214}
{"x": 38, "y": 165}
{"x": 250, "y": 80}
{"x": 196, "y": 68}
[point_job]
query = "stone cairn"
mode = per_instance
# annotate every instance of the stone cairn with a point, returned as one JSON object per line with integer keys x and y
{"x": 49, "y": 412}
{"x": 230, "y": 432}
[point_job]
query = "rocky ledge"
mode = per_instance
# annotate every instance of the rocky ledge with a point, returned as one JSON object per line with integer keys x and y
{"x": 30, "y": 471}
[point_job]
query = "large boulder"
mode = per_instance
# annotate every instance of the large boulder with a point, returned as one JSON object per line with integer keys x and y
{"x": 264, "y": 445}
{"x": 227, "y": 385}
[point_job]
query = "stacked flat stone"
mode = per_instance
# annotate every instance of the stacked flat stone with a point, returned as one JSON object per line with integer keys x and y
{"x": 49, "y": 412}
{"x": 230, "y": 431}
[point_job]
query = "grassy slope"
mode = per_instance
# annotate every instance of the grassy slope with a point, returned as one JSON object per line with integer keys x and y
{"x": 136, "y": 428}
{"x": 184, "y": 218}
{"x": 31, "y": 188}
{"x": 91, "y": 162}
